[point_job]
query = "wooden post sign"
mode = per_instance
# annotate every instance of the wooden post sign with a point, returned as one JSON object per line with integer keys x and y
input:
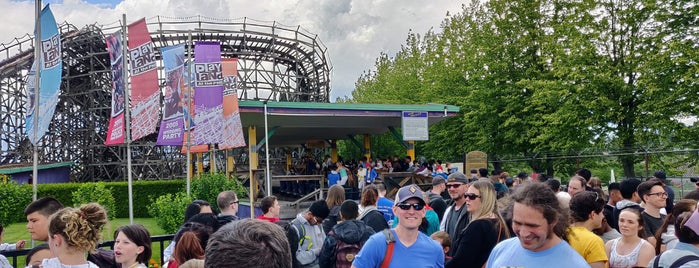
{"x": 475, "y": 160}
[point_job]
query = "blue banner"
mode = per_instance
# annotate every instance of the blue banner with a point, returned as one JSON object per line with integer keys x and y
{"x": 172, "y": 126}
{"x": 51, "y": 68}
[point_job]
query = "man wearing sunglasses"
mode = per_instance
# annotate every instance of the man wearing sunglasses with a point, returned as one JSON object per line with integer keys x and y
{"x": 411, "y": 248}
{"x": 455, "y": 217}
{"x": 228, "y": 202}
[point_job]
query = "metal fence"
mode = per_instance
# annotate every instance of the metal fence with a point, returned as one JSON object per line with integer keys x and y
{"x": 12, "y": 256}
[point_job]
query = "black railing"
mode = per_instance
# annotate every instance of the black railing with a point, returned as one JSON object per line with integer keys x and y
{"x": 160, "y": 239}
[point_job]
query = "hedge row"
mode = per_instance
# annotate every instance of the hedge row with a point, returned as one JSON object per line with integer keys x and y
{"x": 144, "y": 193}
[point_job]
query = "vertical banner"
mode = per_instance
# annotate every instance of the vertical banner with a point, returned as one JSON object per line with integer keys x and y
{"x": 115, "y": 132}
{"x": 208, "y": 93}
{"x": 51, "y": 70}
{"x": 232, "y": 128}
{"x": 189, "y": 113}
{"x": 145, "y": 97}
{"x": 172, "y": 125}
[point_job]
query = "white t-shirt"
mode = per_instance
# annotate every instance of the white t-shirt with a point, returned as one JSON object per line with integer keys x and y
{"x": 55, "y": 263}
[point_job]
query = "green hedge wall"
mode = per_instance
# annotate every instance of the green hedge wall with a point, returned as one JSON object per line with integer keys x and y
{"x": 144, "y": 193}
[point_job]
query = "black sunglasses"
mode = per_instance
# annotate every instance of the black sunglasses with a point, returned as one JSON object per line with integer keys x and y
{"x": 453, "y": 185}
{"x": 407, "y": 206}
{"x": 471, "y": 196}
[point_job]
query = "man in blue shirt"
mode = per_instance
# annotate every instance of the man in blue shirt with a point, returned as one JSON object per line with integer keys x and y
{"x": 539, "y": 225}
{"x": 384, "y": 205}
{"x": 411, "y": 248}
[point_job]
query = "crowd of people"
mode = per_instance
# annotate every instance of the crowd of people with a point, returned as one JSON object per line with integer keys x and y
{"x": 482, "y": 220}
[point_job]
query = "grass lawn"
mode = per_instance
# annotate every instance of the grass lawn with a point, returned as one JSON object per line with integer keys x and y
{"x": 18, "y": 231}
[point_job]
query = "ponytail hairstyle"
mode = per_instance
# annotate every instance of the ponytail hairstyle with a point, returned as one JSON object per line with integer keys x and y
{"x": 189, "y": 247}
{"x": 190, "y": 242}
{"x": 81, "y": 227}
{"x": 684, "y": 205}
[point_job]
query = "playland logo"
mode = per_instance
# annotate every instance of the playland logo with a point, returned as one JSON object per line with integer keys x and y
{"x": 142, "y": 59}
{"x": 52, "y": 51}
{"x": 208, "y": 74}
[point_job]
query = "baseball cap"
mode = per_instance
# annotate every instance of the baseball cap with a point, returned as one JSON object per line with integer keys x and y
{"x": 438, "y": 180}
{"x": 457, "y": 177}
{"x": 407, "y": 192}
{"x": 522, "y": 175}
{"x": 660, "y": 175}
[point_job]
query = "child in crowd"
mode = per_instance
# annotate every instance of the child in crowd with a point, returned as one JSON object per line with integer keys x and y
{"x": 4, "y": 263}
{"x": 37, "y": 254}
{"x": 443, "y": 239}
{"x": 73, "y": 232}
{"x": 132, "y": 246}
{"x": 7, "y": 246}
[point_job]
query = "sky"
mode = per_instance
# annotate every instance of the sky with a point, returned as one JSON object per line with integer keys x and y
{"x": 354, "y": 31}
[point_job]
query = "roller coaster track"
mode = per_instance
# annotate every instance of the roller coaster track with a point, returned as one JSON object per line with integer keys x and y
{"x": 275, "y": 62}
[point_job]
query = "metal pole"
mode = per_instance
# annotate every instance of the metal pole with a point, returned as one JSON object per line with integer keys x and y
{"x": 127, "y": 114}
{"x": 37, "y": 85}
{"x": 268, "y": 176}
{"x": 189, "y": 110}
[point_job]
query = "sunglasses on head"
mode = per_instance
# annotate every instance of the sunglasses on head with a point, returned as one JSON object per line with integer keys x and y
{"x": 471, "y": 196}
{"x": 407, "y": 206}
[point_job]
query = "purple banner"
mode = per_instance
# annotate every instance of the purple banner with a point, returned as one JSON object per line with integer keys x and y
{"x": 172, "y": 127}
{"x": 208, "y": 93}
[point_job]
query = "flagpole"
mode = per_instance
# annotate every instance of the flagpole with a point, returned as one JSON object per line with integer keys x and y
{"x": 268, "y": 175}
{"x": 189, "y": 107}
{"x": 127, "y": 114}
{"x": 37, "y": 84}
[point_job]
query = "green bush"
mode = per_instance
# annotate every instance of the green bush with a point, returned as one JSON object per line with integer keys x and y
{"x": 96, "y": 192}
{"x": 168, "y": 211}
{"x": 13, "y": 199}
{"x": 210, "y": 185}
{"x": 144, "y": 192}
{"x": 63, "y": 192}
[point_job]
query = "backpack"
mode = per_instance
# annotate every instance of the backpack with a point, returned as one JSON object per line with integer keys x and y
{"x": 678, "y": 263}
{"x": 344, "y": 252}
{"x": 390, "y": 246}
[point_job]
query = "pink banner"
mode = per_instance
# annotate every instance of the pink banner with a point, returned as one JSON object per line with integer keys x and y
{"x": 115, "y": 132}
{"x": 145, "y": 97}
{"x": 232, "y": 128}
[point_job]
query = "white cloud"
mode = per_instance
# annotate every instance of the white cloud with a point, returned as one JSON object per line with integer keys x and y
{"x": 355, "y": 31}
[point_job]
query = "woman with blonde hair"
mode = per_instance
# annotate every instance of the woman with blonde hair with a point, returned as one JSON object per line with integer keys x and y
{"x": 336, "y": 195}
{"x": 73, "y": 232}
{"x": 486, "y": 228}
